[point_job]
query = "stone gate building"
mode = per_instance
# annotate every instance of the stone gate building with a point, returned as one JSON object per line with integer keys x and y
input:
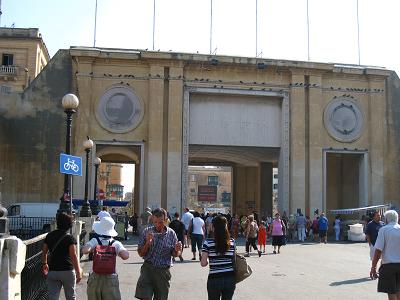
{"x": 331, "y": 130}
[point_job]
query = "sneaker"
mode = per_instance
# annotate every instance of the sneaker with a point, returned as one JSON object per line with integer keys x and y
{"x": 247, "y": 255}
{"x": 274, "y": 252}
{"x": 173, "y": 259}
{"x": 259, "y": 253}
{"x": 193, "y": 258}
{"x": 181, "y": 258}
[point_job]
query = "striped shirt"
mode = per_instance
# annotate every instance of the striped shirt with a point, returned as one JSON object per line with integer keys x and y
{"x": 220, "y": 265}
{"x": 160, "y": 251}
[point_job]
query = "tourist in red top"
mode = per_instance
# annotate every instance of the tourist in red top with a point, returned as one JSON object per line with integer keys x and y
{"x": 262, "y": 236}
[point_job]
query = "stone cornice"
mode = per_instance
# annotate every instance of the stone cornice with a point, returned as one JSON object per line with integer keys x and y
{"x": 295, "y": 67}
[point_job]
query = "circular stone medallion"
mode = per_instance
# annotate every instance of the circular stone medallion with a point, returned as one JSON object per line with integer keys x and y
{"x": 343, "y": 119}
{"x": 119, "y": 110}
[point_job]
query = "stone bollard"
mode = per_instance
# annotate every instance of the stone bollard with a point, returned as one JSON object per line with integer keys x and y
{"x": 12, "y": 262}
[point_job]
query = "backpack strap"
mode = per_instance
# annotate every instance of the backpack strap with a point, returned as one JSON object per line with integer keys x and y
{"x": 98, "y": 240}
{"x": 100, "y": 243}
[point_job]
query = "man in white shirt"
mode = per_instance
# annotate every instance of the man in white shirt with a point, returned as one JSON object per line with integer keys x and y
{"x": 197, "y": 230}
{"x": 186, "y": 219}
{"x": 387, "y": 247}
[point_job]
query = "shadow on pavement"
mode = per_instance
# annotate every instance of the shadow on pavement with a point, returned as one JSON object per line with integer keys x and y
{"x": 350, "y": 281}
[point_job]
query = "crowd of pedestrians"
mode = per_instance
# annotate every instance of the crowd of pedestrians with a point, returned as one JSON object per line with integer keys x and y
{"x": 162, "y": 239}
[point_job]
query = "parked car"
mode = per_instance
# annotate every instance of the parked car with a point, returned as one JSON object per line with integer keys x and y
{"x": 27, "y": 220}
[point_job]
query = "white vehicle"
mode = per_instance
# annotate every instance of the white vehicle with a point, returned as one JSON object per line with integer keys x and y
{"x": 34, "y": 217}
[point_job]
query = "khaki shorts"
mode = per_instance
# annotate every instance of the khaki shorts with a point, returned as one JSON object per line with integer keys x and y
{"x": 102, "y": 286}
{"x": 153, "y": 281}
{"x": 389, "y": 279}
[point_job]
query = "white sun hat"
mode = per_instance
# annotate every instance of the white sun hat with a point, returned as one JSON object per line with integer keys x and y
{"x": 105, "y": 227}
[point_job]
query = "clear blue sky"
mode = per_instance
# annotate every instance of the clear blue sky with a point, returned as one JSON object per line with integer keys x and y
{"x": 184, "y": 25}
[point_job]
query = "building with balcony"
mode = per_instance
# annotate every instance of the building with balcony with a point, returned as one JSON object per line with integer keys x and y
{"x": 23, "y": 54}
{"x": 109, "y": 180}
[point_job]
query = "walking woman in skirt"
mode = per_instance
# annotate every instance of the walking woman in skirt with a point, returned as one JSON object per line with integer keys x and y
{"x": 278, "y": 231}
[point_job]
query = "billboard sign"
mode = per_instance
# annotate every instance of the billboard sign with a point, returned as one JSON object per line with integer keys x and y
{"x": 207, "y": 193}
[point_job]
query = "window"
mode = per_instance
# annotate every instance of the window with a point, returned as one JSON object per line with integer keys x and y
{"x": 5, "y": 89}
{"x": 275, "y": 176}
{"x": 193, "y": 177}
{"x": 8, "y": 60}
{"x": 212, "y": 180}
{"x": 14, "y": 210}
{"x": 192, "y": 191}
{"x": 275, "y": 186}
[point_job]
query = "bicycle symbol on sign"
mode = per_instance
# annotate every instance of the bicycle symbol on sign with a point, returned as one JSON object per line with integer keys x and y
{"x": 70, "y": 164}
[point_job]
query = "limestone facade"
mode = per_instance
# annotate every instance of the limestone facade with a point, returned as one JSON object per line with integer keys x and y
{"x": 330, "y": 129}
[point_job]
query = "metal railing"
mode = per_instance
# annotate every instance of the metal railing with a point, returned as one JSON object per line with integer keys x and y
{"x": 33, "y": 282}
{"x": 8, "y": 70}
{"x": 28, "y": 227}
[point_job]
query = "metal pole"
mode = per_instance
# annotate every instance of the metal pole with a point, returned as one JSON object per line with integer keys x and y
{"x": 95, "y": 25}
{"x": 256, "y": 28}
{"x": 85, "y": 210}
{"x": 69, "y": 102}
{"x": 1, "y": 12}
{"x": 154, "y": 20}
{"x": 211, "y": 24}
{"x": 69, "y": 113}
{"x": 95, "y": 207}
{"x": 308, "y": 34}
{"x": 67, "y": 182}
{"x": 358, "y": 36}
{"x": 87, "y": 173}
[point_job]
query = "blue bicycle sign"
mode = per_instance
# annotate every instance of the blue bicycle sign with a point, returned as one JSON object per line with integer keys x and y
{"x": 70, "y": 164}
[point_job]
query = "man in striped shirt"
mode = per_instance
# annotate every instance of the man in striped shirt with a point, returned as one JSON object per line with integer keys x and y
{"x": 157, "y": 245}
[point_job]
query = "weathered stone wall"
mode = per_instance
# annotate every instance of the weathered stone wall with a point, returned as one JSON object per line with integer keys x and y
{"x": 32, "y": 134}
{"x": 392, "y": 145}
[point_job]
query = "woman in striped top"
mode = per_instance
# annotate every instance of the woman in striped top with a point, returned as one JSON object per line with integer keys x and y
{"x": 219, "y": 251}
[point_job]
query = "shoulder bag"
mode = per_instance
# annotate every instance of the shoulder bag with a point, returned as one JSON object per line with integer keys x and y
{"x": 240, "y": 266}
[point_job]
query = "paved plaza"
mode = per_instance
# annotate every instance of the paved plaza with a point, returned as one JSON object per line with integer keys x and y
{"x": 301, "y": 271}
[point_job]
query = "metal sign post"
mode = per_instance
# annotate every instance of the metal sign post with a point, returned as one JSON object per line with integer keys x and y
{"x": 71, "y": 165}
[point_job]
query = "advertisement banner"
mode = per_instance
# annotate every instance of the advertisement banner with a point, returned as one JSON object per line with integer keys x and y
{"x": 207, "y": 193}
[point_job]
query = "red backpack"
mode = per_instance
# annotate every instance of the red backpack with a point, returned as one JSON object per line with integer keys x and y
{"x": 104, "y": 258}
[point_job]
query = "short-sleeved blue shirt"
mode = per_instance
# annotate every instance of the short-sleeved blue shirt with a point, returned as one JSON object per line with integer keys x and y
{"x": 372, "y": 230}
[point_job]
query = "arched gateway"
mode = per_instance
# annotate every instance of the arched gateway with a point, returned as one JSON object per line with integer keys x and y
{"x": 325, "y": 127}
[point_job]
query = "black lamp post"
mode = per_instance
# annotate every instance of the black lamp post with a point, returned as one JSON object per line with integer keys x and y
{"x": 85, "y": 210}
{"x": 70, "y": 103}
{"x": 95, "y": 207}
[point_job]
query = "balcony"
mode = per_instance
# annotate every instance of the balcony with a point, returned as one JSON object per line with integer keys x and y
{"x": 8, "y": 72}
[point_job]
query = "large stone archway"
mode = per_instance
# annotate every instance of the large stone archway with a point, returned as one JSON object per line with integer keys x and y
{"x": 124, "y": 153}
{"x": 254, "y": 156}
